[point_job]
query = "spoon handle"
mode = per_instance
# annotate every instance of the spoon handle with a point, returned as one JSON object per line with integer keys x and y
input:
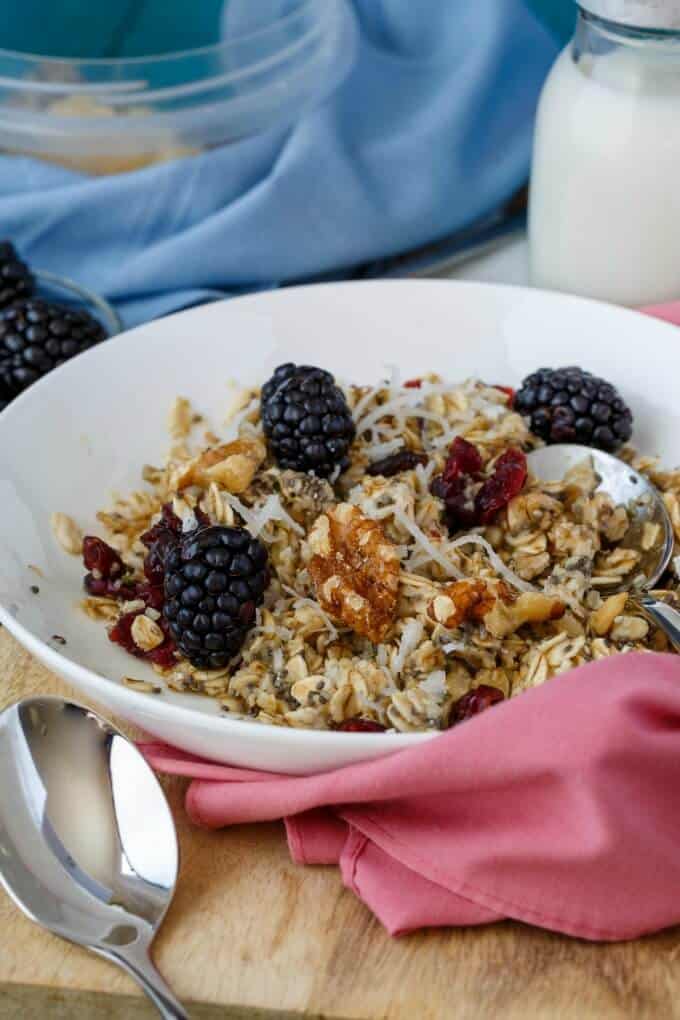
{"x": 663, "y": 615}
{"x": 137, "y": 962}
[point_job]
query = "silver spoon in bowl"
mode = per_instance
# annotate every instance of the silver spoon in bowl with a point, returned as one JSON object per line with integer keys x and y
{"x": 643, "y": 502}
{"x": 88, "y": 847}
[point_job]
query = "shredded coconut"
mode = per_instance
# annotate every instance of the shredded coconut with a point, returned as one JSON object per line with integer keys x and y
{"x": 410, "y": 639}
{"x": 408, "y": 399}
{"x": 384, "y": 449}
{"x": 454, "y": 646}
{"x": 435, "y": 684}
{"x": 421, "y": 539}
{"x": 364, "y": 401}
{"x": 271, "y": 510}
{"x": 424, "y": 474}
{"x": 302, "y": 600}
{"x": 189, "y": 521}
{"x": 495, "y": 559}
{"x": 278, "y": 660}
{"x": 249, "y": 516}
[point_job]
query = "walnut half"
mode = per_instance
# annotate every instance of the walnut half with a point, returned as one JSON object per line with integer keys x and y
{"x": 355, "y": 570}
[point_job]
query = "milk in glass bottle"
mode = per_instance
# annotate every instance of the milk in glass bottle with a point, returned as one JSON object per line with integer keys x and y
{"x": 604, "y": 212}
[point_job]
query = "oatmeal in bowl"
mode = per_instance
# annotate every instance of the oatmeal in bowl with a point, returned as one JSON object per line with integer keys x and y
{"x": 374, "y": 558}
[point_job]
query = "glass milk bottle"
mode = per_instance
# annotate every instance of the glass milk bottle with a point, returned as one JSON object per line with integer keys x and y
{"x": 604, "y": 212}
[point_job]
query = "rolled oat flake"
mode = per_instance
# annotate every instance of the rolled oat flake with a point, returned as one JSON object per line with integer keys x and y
{"x": 662, "y": 15}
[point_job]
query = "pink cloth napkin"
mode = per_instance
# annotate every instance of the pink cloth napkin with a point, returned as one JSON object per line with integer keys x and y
{"x": 560, "y": 808}
{"x": 669, "y": 312}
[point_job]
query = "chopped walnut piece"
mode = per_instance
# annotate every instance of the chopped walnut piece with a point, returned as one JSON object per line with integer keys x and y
{"x": 231, "y": 465}
{"x": 355, "y": 570}
{"x": 530, "y": 607}
{"x": 463, "y": 600}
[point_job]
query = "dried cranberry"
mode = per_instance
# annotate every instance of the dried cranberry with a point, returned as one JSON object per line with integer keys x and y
{"x": 159, "y": 540}
{"x": 151, "y": 594}
{"x": 121, "y": 634}
{"x": 463, "y": 459}
{"x": 154, "y": 561}
{"x": 99, "y": 556}
{"x": 474, "y": 702}
{"x": 202, "y": 517}
{"x": 505, "y": 483}
{"x": 468, "y": 500}
{"x": 413, "y": 384}
{"x": 105, "y": 588}
{"x": 169, "y": 521}
{"x": 402, "y": 460}
{"x": 509, "y": 392}
{"x": 458, "y": 483}
{"x": 162, "y": 538}
{"x": 460, "y": 502}
{"x": 163, "y": 656}
{"x": 360, "y": 726}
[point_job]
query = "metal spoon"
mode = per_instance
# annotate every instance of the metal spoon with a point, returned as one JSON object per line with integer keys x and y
{"x": 88, "y": 847}
{"x": 643, "y": 503}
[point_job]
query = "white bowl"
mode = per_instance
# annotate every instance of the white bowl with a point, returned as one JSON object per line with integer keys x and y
{"x": 89, "y": 427}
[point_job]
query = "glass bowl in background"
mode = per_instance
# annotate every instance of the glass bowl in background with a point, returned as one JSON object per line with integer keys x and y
{"x": 53, "y": 287}
{"x": 274, "y": 62}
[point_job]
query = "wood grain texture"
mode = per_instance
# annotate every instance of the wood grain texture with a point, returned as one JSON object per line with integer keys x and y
{"x": 251, "y": 935}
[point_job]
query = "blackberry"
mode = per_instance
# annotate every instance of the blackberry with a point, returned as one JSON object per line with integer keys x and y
{"x": 214, "y": 581}
{"x": 284, "y": 372}
{"x": 37, "y": 335}
{"x": 306, "y": 420}
{"x": 570, "y": 405}
{"x": 16, "y": 279}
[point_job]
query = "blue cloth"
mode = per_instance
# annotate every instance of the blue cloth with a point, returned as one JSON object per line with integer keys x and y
{"x": 431, "y": 129}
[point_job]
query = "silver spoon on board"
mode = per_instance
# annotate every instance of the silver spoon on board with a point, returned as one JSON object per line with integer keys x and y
{"x": 88, "y": 847}
{"x": 643, "y": 503}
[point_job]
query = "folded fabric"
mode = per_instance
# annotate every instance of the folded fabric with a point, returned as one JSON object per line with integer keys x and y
{"x": 431, "y": 129}
{"x": 560, "y": 808}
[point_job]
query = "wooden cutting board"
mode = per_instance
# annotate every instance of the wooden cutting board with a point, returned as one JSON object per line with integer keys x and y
{"x": 251, "y": 935}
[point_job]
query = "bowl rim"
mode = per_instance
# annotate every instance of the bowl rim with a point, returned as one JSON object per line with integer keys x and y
{"x": 93, "y": 682}
{"x": 116, "y": 63}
